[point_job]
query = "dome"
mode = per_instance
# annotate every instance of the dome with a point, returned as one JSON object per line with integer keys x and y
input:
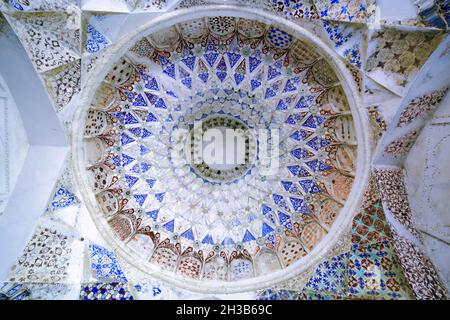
{"x": 224, "y": 149}
{"x": 274, "y": 187}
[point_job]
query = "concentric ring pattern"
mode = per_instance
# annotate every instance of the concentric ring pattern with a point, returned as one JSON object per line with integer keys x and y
{"x": 260, "y": 75}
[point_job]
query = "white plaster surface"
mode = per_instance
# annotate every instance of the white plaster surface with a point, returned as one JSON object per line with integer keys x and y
{"x": 428, "y": 185}
{"x": 397, "y": 10}
{"x": 13, "y": 144}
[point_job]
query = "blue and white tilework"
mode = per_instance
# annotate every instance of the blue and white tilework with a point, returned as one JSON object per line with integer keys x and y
{"x": 375, "y": 272}
{"x": 244, "y": 83}
{"x": 104, "y": 264}
{"x": 293, "y": 9}
{"x": 62, "y": 198}
{"x": 271, "y": 294}
{"x": 330, "y": 276}
{"x": 95, "y": 40}
{"x": 347, "y": 39}
{"x": 105, "y": 291}
{"x": 343, "y": 10}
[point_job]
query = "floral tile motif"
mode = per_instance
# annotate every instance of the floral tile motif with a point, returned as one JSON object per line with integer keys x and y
{"x": 45, "y": 259}
{"x": 50, "y": 40}
{"x": 330, "y": 276}
{"x": 347, "y": 40}
{"x": 401, "y": 146}
{"x": 395, "y": 56}
{"x": 270, "y": 294}
{"x": 295, "y": 9}
{"x": 63, "y": 83}
{"x": 371, "y": 270}
{"x": 420, "y": 106}
{"x": 62, "y": 198}
{"x": 353, "y": 55}
{"x": 342, "y": 10}
{"x": 419, "y": 271}
{"x": 393, "y": 192}
{"x": 143, "y": 49}
{"x": 104, "y": 264}
{"x": 95, "y": 40}
{"x": 289, "y": 9}
{"x": 375, "y": 272}
{"x": 105, "y": 291}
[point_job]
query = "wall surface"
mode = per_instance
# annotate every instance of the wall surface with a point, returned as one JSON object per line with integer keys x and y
{"x": 428, "y": 185}
{"x": 42, "y": 159}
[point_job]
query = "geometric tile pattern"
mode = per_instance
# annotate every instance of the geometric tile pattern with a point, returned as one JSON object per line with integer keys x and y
{"x": 45, "y": 259}
{"x": 63, "y": 83}
{"x": 62, "y": 198}
{"x": 371, "y": 270}
{"x": 344, "y": 10}
{"x": 370, "y": 226}
{"x": 398, "y": 54}
{"x": 375, "y": 272}
{"x": 330, "y": 276}
{"x": 48, "y": 40}
{"x": 306, "y": 294}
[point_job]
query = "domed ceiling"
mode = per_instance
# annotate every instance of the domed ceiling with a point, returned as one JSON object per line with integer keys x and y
{"x": 203, "y": 220}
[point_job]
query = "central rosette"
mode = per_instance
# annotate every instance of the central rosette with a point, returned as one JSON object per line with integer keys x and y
{"x": 221, "y": 148}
